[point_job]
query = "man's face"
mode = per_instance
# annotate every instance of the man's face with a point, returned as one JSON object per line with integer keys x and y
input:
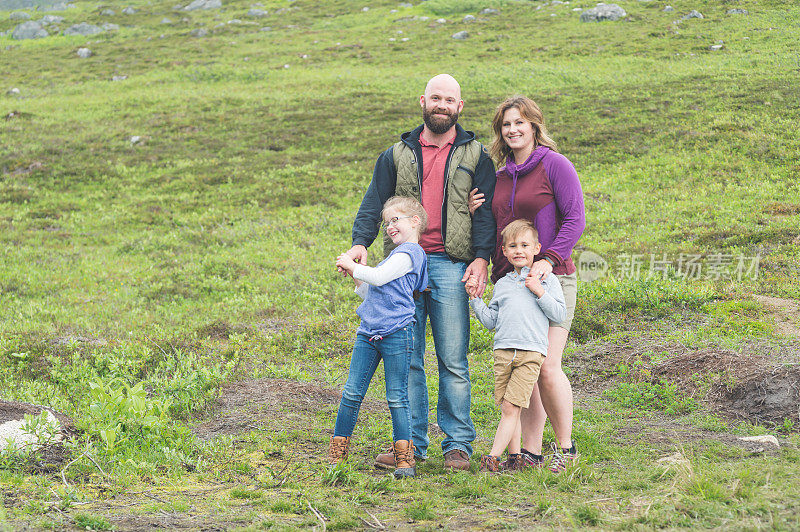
{"x": 441, "y": 106}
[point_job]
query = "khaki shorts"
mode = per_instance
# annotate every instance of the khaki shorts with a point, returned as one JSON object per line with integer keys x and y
{"x": 569, "y": 285}
{"x": 515, "y": 373}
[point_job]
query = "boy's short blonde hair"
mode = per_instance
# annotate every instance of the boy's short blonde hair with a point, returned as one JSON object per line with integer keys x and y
{"x": 518, "y": 227}
{"x": 408, "y": 206}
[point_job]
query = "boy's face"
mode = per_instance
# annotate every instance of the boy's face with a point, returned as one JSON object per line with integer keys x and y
{"x": 521, "y": 250}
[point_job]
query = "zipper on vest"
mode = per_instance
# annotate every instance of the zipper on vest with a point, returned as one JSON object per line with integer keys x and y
{"x": 444, "y": 196}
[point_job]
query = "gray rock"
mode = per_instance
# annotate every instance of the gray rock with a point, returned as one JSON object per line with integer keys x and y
{"x": 424, "y": 18}
{"x": 406, "y": 4}
{"x": 469, "y": 18}
{"x": 108, "y": 26}
{"x": 13, "y": 91}
{"x": 668, "y": 9}
{"x": 489, "y": 11}
{"x": 234, "y": 21}
{"x": 129, "y": 10}
{"x": 604, "y": 12}
{"x": 119, "y": 78}
{"x": 29, "y": 30}
{"x": 256, "y": 13}
{"x": 441, "y": 21}
{"x": 460, "y": 35}
{"x": 556, "y": 2}
{"x": 19, "y": 15}
{"x": 108, "y": 12}
{"x": 692, "y": 14}
{"x": 84, "y": 53}
{"x": 51, "y": 19}
{"x": 364, "y": 9}
{"x": 166, "y": 21}
{"x": 60, "y": 6}
{"x": 203, "y": 4}
{"x": 716, "y": 47}
{"x": 135, "y": 139}
{"x": 266, "y": 28}
{"x": 83, "y": 29}
{"x": 736, "y": 12}
{"x": 199, "y": 32}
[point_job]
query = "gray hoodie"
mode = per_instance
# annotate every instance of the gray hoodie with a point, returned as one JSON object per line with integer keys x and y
{"x": 520, "y": 319}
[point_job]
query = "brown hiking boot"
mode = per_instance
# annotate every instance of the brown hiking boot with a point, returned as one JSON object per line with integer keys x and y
{"x": 385, "y": 460}
{"x": 489, "y": 464}
{"x": 403, "y": 451}
{"x": 456, "y": 459}
{"x": 337, "y": 452}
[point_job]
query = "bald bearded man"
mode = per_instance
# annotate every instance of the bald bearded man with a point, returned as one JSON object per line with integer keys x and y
{"x": 438, "y": 163}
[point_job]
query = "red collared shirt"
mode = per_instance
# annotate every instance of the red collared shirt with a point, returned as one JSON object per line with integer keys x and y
{"x": 434, "y": 159}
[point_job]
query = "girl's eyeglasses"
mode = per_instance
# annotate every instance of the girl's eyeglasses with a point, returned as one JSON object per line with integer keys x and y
{"x": 392, "y": 221}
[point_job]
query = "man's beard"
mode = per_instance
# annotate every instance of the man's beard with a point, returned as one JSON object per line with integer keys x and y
{"x": 438, "y": 125}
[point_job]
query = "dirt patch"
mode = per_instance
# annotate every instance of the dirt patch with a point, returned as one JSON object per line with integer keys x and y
{"x": 759, "y": 383}
{"x": 742, "y": 385}
{"x": 786, "y": 313}
{"x": 259, "y": 404}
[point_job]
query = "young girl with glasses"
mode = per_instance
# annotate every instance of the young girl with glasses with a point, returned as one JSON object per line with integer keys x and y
{"x": 386, "y": 330}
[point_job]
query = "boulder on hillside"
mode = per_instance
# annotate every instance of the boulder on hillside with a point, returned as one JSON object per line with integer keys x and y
{"x": 29, "y": 30}
{"x": 8, "y": 5}
{"x": 84, "y": 53}
{"x": 51, "y": 19}
{"x": 203, "y": 4}
{"x": 736, "y": 12}
{"x": 460, "y": 35}
{"x": 19, "y": 15}
{"x": 61, "y": 6}
{"x": 603, "y": 12}
{"x": 129, "y": 10}
{"x": 44, "y": 426}
{"x": 256, "y": 13}
{"x": 83, "y": 29}
{"x": 692, "y": 14}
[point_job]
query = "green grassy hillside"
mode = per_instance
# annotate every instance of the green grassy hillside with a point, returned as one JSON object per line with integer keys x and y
{"x": 198, "y": 260}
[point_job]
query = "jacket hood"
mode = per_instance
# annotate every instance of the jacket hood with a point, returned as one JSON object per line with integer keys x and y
{"x": 412, "y": 137}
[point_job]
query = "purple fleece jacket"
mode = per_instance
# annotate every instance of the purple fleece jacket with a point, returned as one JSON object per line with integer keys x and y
{"x": 545, "y": 190}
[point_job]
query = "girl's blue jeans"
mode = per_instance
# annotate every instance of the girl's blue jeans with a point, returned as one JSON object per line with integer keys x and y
{"x": 395, "y": 350}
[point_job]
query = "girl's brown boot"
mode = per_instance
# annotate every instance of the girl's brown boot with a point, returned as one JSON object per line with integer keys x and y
{"x": 337, "y": 452}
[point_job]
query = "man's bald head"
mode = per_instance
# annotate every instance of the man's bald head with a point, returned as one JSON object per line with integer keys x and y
{"x": 441, "y": 104}
{"x": 445, "y": 83}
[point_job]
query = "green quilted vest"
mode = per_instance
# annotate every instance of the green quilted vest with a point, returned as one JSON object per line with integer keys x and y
{"x": 458, "y": 182}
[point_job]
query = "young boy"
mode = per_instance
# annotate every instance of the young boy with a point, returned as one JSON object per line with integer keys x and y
{"x": 520, "y": 312}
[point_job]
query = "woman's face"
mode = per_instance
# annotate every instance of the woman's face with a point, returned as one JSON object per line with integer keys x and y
{"x": 516, "y": 131}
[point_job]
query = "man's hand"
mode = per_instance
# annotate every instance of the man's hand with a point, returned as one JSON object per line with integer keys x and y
{"x": 534, "y": 285}
{"x": 357, "y": 253}
{"x": 478, "y": 268}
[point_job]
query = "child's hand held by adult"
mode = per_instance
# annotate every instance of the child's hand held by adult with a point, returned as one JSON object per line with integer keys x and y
{"x": 345, "y": 263}
{"x": 534, "y": 285}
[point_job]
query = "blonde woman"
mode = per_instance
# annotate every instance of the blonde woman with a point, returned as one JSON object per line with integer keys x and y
{"x": 537, "y": 183}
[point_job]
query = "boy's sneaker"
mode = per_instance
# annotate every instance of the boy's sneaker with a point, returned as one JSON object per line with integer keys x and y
{"x": 528, "y": 459}
{"x": 489, "y": 464}
{"x": 562, "y": 458}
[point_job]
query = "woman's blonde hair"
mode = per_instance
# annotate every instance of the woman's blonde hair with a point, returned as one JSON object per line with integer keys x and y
{"x": 409, "y": 206}
{"x": 529, "y": 111}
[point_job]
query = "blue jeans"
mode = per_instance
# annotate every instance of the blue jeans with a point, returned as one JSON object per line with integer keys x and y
{"x": 395, "y": 350}
{"x": 447, "y": 306}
